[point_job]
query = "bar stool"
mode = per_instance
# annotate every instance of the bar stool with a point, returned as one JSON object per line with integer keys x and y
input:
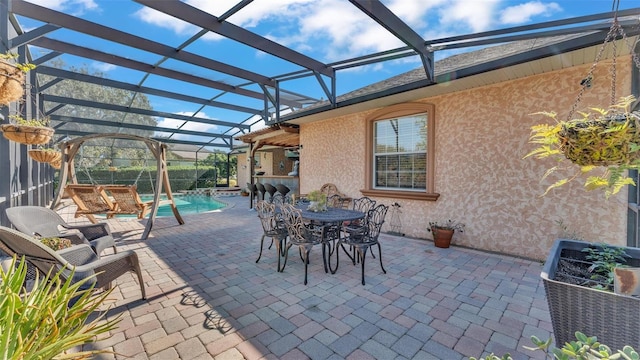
{"x": 282, "y": 189}
{"x": 271, "y": 190}
{"x": 261, "y": 191}
{"x": 253, "y": 190}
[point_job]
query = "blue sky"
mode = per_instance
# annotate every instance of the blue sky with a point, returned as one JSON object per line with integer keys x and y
{"x": 326, "y": 30}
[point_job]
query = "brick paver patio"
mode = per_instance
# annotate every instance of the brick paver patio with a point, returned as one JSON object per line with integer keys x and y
{"x": 208, "y": 299}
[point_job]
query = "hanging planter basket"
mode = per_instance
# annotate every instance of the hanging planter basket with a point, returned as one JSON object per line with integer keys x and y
{"x": 11, "y": 82}
{"x": 56, "y": 164}
{"x": 29, "y": 135}
{"x": 46, "y": 156}
{"x": 610, "y": 140}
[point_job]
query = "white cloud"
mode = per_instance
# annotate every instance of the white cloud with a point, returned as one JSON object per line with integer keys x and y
{"x": 523, "y": 13}
{"x": 189, "y": 125}
{"x": 463, "y": 14}
{"x": 163, "y": 20}
{"x": 103, "y": 67}
{"x": 73, "y": 7}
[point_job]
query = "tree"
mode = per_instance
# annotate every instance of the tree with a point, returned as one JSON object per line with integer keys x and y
{"x": 100, "y": 152}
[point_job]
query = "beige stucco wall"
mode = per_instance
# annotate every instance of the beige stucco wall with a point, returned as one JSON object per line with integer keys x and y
{"x": 481, "y": 138}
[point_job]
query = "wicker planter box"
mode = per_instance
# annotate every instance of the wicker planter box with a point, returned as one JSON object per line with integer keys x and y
{"x": 613, "y": 318}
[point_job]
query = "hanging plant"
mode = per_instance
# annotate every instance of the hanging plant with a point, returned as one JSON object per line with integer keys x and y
{"x": 603, "y": 139}
{"x": 29, "y": 132}
{"x": 12, "y": 77}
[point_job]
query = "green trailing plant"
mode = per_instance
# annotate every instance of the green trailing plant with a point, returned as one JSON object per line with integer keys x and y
{"x": 446, "y": 225}
{"x": 606, "y": 140}
{"x": 318, "y": 199}
{"x": 19, "y": 120}
{"x": 605, "y": 258}
{"x": 51, "y": 319}
{"x": 24, "y": 67}
{"x": 584, "y": 348}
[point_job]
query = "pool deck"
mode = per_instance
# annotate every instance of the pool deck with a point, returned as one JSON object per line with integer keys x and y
{"x": 209, "y": 299}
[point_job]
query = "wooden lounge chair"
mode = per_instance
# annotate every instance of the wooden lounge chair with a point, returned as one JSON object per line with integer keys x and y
{"x": 127, "y": 200}
{"x": 90, "y": 200}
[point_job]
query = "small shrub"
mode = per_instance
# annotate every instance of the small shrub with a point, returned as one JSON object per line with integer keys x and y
{"x": 49, "y": 320}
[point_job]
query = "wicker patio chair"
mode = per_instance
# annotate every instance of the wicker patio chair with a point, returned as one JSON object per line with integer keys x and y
{"x": 127, "y": 200}
{"x": 44, "y": 222}
{"x": 361, "y": 241}
{"x": 272, "y": 227}
{"x": 302, "y": 235}
{"x": 79, "y": 258}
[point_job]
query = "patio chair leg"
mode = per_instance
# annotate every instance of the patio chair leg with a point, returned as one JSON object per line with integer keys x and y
{"x": 306, "y": 263}
{"x": 115, "y": 249}
{"x": 136, "y": 265}
{"x": 261, "y": 244}
{"x": 333, "y": 271}
{"x": 362, "y": 256}
{"x": 380, "y": 256}
{"x": 270, "y": 245}
{"x": 286, "y": 256}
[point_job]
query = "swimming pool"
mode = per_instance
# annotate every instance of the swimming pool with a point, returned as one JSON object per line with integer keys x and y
{"x": 187, "y": 204}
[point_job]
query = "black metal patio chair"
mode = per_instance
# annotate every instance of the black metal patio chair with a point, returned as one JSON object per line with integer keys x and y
{"x": 364, "y": 239}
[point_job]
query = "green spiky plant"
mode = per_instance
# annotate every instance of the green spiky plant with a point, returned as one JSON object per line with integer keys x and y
{"x": 584, "y": 348}
{"x": 607, "y": 140}
{"x": 49, "y": 320}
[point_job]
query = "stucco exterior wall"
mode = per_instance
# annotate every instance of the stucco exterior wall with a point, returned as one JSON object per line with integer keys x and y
{"x": 481, "y": 138}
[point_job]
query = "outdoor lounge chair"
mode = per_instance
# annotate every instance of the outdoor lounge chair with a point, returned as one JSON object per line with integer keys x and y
{"x": 44, "y": 222}
{"x": 90, "y": 200}
{"x": 127, "y": 200}
{"x": 79, "y": 258}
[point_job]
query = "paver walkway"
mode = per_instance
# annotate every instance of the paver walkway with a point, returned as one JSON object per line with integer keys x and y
{"x": 208, "y": 299}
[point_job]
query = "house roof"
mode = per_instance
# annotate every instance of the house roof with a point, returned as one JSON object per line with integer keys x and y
{"x": 481, "y": 67}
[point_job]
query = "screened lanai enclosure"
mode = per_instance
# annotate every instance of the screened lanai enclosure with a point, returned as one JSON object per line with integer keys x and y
{"x": 95, "y": 73}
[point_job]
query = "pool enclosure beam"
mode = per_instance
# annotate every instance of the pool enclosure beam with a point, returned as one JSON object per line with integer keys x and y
{"x": 159, "y": 150}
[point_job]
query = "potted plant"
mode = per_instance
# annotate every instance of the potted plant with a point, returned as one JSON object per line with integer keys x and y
{"x": 606, "y": 140}
{"x": 577, "y": 280}
{"x": 443, "y": 231}
{"x": 27, "y": 131}
{"x": 12, "y": 78}
{"x": 317, "y": 201}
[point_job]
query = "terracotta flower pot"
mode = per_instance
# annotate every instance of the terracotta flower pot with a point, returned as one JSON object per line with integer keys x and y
{"x": 442, "y": 237}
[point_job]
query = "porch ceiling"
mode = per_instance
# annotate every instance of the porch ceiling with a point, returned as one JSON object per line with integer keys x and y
{"x": 281, "y": 135}
{"x": 237, "y": 98}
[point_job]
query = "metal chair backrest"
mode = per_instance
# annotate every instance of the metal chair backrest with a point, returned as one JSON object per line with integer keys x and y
{"x": 337, "y": 201}
{"x": 271, "y": 190}
{"x": 279, "y": 199}
{"x": 299, "y": 231}
{"x": 363, "y": 204}
{"x": 283, "y": 189}
{"x": 261, "y": 191}
{"x": 268, "y": 218}
{"x": 374, "y": 220}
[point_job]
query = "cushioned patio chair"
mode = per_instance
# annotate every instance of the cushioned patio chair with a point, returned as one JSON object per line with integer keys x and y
{"x": 127, "y": 200}
{"x": 79, "y": 258}
{"x": 44, "y": 222}
{"x": 90, "y": 200}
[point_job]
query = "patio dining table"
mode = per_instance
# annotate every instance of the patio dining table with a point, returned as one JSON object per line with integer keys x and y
{"x": 332, "y": 219}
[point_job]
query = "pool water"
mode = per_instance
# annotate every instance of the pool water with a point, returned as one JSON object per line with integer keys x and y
{"x": 187, "y": 204}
